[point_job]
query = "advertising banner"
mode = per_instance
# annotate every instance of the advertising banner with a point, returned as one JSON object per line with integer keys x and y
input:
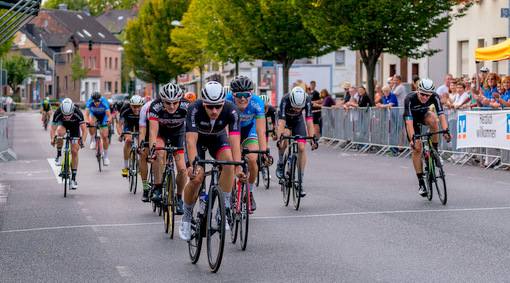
{"x": 483, "y": 129}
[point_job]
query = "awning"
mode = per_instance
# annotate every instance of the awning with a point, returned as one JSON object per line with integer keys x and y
{"x": 500, "y": 51}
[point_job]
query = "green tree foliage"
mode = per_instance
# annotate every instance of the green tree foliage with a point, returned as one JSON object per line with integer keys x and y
{"x": 77, "y": 70}
{"x": 399, "y": 27}
{"x": 96, "y": 7}
{"x": 18, "y": 69}
{"x": 75, "y": 5}
{"x": 272, "y": 30}
{"x": 6, "y": 46}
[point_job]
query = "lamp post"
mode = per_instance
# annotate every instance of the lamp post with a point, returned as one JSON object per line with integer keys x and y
{"x": 55, "y": 69}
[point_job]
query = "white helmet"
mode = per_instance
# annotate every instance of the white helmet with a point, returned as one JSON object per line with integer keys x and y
{"x": 265, "y": 98}
{"x": 426, "y": 85}
{"x": 170, "y": 93}
{"x": 110, "y": 101}
{"x": 298, "y": 97}
{"x": 67, "y": 107}
{"x": 213, "y": 93}
{"x": 136, "y": 100}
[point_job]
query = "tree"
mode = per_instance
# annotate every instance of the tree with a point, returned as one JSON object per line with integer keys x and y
{"x": 77, "y": 70}
{"x": 399, "y": 27}
{"x": 6, "y": 46}
{"x": 18, "y": 69}
{"x": 95, "y": 6}
{"x": 74, "y": 5}
{"x": 272, "y": 30}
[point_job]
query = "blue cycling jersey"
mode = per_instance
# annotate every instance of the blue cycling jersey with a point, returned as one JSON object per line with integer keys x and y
{"x": 101, "y": 109}
{"x": 254, "y": 110}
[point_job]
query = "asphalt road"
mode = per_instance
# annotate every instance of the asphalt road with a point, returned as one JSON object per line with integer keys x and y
{"x": 361, "y": 221}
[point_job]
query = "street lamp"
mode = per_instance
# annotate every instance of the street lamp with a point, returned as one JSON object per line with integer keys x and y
{"x": 68, "y": 51}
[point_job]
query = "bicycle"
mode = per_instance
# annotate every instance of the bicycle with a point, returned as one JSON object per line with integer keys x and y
{"x": 263, "y": 171}
{"x": 203, "y": 223}
{"x": 240, "y": 203}
{"x": 66, "y": 162}
{"x": 432, "y": 167}
{"x": 169, "y": 184}
{"x": 46, "y": 120}
{"x": 99, "y": 143}
{"x": 133, "y": 162}
{"x": 291, "y": 177}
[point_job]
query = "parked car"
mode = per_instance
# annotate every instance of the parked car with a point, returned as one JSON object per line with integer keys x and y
{"x": 8, "y": 102}
{"x": 120, "y": 97}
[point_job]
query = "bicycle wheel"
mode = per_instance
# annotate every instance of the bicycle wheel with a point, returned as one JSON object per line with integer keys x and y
{"x": 45, "y": 122}
{"x": 244, "y": 215}
{"x": 98, "y": 152}
{"x": 195, "y": 243}
{"x": 426, "y": 176}
{"x": 130, "y": 170}
{"x": 170, "y": 205}
{"x": 257, "y": 181}
{"x": 439, "y": 180}
{"x": 234, "y": 223}
{"x": 135, "y": 172}
{"x": 265, "y": 176}
{"x": 65, "y": 172}
{"x": 215, "y": 228}
{"x": 110, "y": 133}
{"x": 285, "y": 182}
{"x": 296, "y": 180}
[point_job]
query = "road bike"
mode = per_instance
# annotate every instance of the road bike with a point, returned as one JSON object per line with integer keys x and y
{"x": 65, "y": 172}
{"x": 433, "y": 172}
{"x": 240, "y": 204}
{"x": 133, "y": 161}
{"x": 208, "y": 216}
{"x": 291, "y": 177}
{"x": 99, "y": 143}
{"x": 46, "y": 120}
{"x": 263, "y": 171}
{"x": 169, "y": 184}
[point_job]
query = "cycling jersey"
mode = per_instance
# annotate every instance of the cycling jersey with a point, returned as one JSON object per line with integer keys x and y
{"x": 73, "y": 124}
{"x": 130, "y": 118}
{"x": 416, "y": 111}
{"x": 144, "y": 117}
{"x": 101, "y": 109}
{"x": 168, "y": 122}
{"x": 46, "y": 107}
{"x": 271, "y": 113}
{"x": 254, "y": 110}
{"x": 199, "y": 122}
{"x": 294, "y": 120}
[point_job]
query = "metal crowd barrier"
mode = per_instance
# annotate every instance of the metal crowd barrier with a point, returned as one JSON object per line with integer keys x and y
{"x": 6, "y": 153}
{"x": 368, "y": 128}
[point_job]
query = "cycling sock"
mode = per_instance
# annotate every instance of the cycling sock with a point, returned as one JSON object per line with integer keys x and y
{"x": 227, "y": 199}
{"x": 144, "y": 184}
{"x": 302, "y": 175}
{"x": 59, "y": 151}
{"x": 280, "y": 157}
{"x": 251, "y": 187}
{"x": 73, "y": 174}
{"x": 126, "y": 163}
{"x": 179, "y": 196}
{"x": 188, "y": 212}
{"x": 420, "y": 176}
{"x": 158, "y": 187}
{"x": 105, "y": 151}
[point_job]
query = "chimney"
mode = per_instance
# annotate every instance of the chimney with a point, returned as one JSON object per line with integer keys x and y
{"x": 62, "y": 7}
{"x": 107, "y": 10}
{"x": 134, "y": 10}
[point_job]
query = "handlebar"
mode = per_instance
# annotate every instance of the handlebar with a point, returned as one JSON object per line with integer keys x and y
{"x": 428, "y": 134}
{"x": 282, "y": 137}
{"x": 214, "y": 162}
{"x": 245, "y": 151}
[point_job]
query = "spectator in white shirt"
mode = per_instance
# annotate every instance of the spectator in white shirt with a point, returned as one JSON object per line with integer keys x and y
{"x": 444, "y": 88}
{"x": 398, "y": 89}
{"x": 461, "y": 98}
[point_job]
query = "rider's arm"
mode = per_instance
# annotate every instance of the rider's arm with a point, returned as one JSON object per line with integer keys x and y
{"x": 153, "y": 131}
{"x": 120, "y": 124}
{"x": 260, "y": 127}
{"x": 191, "y": 145}
{"x": 281, "y": 127}
{"x": 108, "y": 116}
{"x": 87, "y": 115}
{"x": 84, "y": 131}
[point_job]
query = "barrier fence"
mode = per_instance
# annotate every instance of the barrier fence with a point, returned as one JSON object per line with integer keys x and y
{"x": 368, "y": 128}
{"x": 6, "y": 153}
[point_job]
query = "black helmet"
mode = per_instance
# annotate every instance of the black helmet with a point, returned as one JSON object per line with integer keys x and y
{"x": 241, "y": 83}
{"x": 96, "y": 96}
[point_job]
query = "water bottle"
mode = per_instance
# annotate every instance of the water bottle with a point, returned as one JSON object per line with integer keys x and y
{"x": 203, "y": 202}
{"x": 289, "y": 162}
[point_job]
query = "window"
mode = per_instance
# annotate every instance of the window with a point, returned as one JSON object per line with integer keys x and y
{"x": 110, "y": 62}
{"x": 83, "y": 62}
{"x": 463, "y": 58}
{"x": 105, "y": 62}
{"x": 65, "y": 82}
{"x": 116, "y": 88}
{"x": 94, "y": 62}
{"x": 393, "y": 70}
{"x": 90, "y": 62}
{"x": 481, "y": 43}
{"x": 116, "y": 62}
{"x": 500, "y": 67}
{"x": 340, "y": 58}
{"x": 107, "y": 87}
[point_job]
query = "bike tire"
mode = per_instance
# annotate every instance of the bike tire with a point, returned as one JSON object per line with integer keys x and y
{"x": 137, "y": 164}
{"x": 170, "y": 205}
{"x": 234, "y": 200}
{"x": 98, "y": 152}
{"x": 257, "y": 181}
{"x": 439, "y": 180}
{"x": 296, "y": 180}
{"x": 65, "y": 172}
{"x": 215, "y": 228}
{"x": 130, "y": 171}
{"x": 265, "y": 176}
{"x": 427, "y": 177}
{"x": 285, "y": 183}
{"x": 244, "y": 215}
{"x": 195, "y": 243}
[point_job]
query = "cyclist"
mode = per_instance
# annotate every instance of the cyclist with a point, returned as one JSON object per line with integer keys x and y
{"x": 416, "y": 113}
{"x": 190, "y": 96}
{"x": 100, "y": 110}
{"x": 270, "y": 113}
{"x": 290, "y": 118}
{"x": 68, "y": 117}
{"x": 253, "y": 124}
{"x": 144, "y": 135}
{"x": 129, "y": 118}
{"x": 113, "y": 112}
{"x": 206, "y": 124}
{"x": 166, "y": 120}
{"x": 45, "y": 109}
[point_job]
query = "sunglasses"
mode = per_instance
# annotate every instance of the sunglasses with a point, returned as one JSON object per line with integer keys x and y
{"x": 242, "y": 94}
{"x": 170, "y": 103}
{"x": 425, "y": 94}
{"x": 213, "y": 106}
{"x": 96, "y": 101}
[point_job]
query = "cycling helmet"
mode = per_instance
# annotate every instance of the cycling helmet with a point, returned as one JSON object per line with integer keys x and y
{"x": 136, "y": 100}
{"x": 240, "y": 84}
{"x": 46, "y": 101}
{"x": 212, "y": 93}
{"x": 96, "y": 96}
{"x": 265, "y": 98}
{"x": 426, "y": 85}
{"x": 110, "y": 101}
{"x": 298, "y": 97}
{"x": 119, "y": 104}
{"x": 170, "y": 93}
{"x": 190, "y": 96}
{"x": 484, "y": 69}
{"x": 67, "y": 107}
{"x": 47, "y": 98}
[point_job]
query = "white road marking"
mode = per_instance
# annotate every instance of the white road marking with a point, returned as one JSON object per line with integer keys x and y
{"x": 103, "y": 240}
{"x": 124, "y": 271}
{"x": 55, "y": 168}
{"x": 95, "y": 226}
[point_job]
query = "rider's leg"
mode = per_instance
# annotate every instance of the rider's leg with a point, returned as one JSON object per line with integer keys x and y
{"x": 157, "y": 167}
{"x": 431, "y": 120}
{"x": 128, "y": 140}
{"x": 75, "y": 146}
{"x": 92, "y": 130}
{"x": 182, "y": 176}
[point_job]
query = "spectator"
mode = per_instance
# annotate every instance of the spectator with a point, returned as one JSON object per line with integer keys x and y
{"x": 316, "y": 110}
{"x": 389, "y": 99}
{"x": 414, "y": 83}
{"x": 398, "y": 89}
{"x": 484, "y": 72}
{"x": 503, "y": 100}
{"x": 378, "y": 95}
{"x": 447, "y": 98}
{"x": 390, "y": 82}
{"x": 351, "y": 93}
{"x": 444, "y": 88}
{"x": 327, "y": 100}
{"x": 491, "y": 86}
{"x": 461, "y": 97}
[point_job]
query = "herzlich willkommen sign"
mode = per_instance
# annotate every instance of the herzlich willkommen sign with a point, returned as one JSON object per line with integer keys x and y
{"x": 483, "y": 129}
